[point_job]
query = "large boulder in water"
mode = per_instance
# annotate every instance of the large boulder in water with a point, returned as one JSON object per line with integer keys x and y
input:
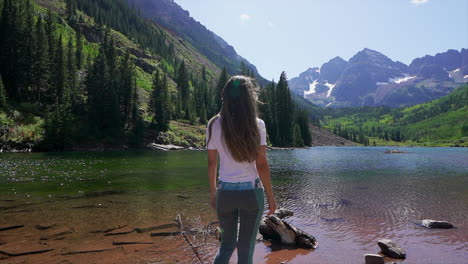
{"x": 272, "y": 227}
{"x": 436, "y": 224}
{"x": 391, "y": 249}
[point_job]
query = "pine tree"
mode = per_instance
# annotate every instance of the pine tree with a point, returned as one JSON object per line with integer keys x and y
{"x": 303, "y": 123}
{"x": 223, "y": 78}
{"x": 159, "y": 102}
{"x": 60, "y": 91}
{"x": 71, "y": 80}
{"x": 79, "y": 49}
{"x": 40, "y": 67}
{"x": 137, "y": 121}
{"x": 126, "y": 84}
{"x": 298, "y": 141}
{"x": 3, "y": 101}
{"x": 154, "y": 106}
{"x": 183, "y": 82}
{"x": 284, "y": 112}
{"x": 164, "y": 122}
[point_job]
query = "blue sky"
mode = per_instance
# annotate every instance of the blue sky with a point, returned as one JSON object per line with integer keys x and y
{"x": 293, "y": 35}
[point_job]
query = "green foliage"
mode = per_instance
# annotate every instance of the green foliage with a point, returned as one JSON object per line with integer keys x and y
{"x": 298, "y": 141}
{"x": 287, "y": 125}
{"x": 159, "y": 103}
{"x": 438, "y": 122}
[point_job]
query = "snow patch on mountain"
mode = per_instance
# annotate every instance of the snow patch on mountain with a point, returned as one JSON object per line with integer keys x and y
{"x": 311, "y": 88}
{"x": 330, "y": 86}
{"x": 401, "y": 79}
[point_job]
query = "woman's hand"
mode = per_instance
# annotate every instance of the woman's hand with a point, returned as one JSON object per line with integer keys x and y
{"x": 213, "y": 201}
{"x": 271, "y": 206}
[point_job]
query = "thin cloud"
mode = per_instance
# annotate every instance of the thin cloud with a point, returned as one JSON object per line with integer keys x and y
{"x": 418, "y": 2}
{"x": 270, "y": 24}
{"x": 244, "y": 18}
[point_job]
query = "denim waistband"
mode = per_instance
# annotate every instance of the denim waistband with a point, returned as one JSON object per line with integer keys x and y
{"x": 239, "y": 186}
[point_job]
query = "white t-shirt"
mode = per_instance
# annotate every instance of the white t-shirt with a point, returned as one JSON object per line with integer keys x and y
{"x": 231, "y": 170}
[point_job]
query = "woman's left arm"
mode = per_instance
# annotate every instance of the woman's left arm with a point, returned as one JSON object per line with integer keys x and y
{"x": 212, "y": 166}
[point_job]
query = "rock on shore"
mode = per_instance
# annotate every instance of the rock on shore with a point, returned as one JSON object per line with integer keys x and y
{"x": 436, "y": 224}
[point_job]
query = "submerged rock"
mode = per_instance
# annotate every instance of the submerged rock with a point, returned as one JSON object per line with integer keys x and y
{"x": 44, "y": 227}
{"x": 392, "y": 151}
{"x": 57, "y": 234}
{"x": 332, "y": 220}
{"x": 374, "y": 259}
{"x": 391, "y": 249}
{"x": 436, "y": 224}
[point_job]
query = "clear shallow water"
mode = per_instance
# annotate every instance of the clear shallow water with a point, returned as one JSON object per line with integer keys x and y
{"x": 348, "y": 197}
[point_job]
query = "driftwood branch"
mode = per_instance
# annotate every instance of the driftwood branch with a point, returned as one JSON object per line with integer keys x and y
{"x": 184, "y": 234}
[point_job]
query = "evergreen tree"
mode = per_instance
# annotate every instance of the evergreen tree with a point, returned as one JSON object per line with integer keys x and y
{"x": 138, "y": 126}
{"x": 303, "y": 123}
{"x": 60, "y": 90}
{"x": 284, "y": 112}
{"x": 79, "y": 49}
{"x": 71, "y": 80}
{"x": 126, "y": 85}
{"x": 40, "y": 67}
{"x": 183, "y": 83}
{"x": 159, "y": 105}
{"x": 3, "y": 102}
{"x": 298, "y": 141}
{"x": 223, "y": 78}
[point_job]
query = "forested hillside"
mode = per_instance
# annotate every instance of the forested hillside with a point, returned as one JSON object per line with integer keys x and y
{"x": 81, "y": 74}
{"x": 442, "y": 122}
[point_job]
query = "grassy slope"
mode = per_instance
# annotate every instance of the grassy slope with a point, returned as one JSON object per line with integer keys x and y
{"x": 27, "y": 127}
{"x": 435, "y": 123}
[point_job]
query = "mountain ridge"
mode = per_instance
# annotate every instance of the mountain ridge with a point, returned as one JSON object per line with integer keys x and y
{"x": 171, "y": 15}
{"x": 370, "y": 78}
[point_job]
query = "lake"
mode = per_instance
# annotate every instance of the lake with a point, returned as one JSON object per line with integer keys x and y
{"x": 347, "y": 197}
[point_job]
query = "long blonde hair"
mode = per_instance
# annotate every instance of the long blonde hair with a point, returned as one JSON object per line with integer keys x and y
{"x": 238, "y": 117}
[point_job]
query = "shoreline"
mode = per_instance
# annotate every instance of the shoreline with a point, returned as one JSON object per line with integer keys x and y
{"x": 170, "y": 147}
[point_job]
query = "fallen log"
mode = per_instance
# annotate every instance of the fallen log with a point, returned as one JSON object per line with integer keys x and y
{"x": 119, "y": 243}
{"x": 86, "y": 251}
{"x": 166, "y": 234}
{"x": 152, "y": 228}
{"x": 272, "y": 227}
{"x": 120, "y": 231}
{"x": 4, "y": 228}
{"x": 11, "y": 254}
{"x": 108, "y": 229}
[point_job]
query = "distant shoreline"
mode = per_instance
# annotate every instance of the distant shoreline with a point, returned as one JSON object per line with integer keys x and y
{"x": 125, "y": 148}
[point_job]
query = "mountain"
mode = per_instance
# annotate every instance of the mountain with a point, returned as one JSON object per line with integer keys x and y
{"x": 171, "y": 16}
{"x": 370, "y": 78}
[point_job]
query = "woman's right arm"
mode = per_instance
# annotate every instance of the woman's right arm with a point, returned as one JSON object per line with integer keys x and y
{"x": 264, "y": 172}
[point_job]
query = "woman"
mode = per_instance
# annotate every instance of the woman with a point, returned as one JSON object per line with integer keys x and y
{"x": 239, "y": 138}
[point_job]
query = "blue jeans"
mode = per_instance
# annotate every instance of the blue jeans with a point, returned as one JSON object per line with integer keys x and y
{"x": 244, "y": 202}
